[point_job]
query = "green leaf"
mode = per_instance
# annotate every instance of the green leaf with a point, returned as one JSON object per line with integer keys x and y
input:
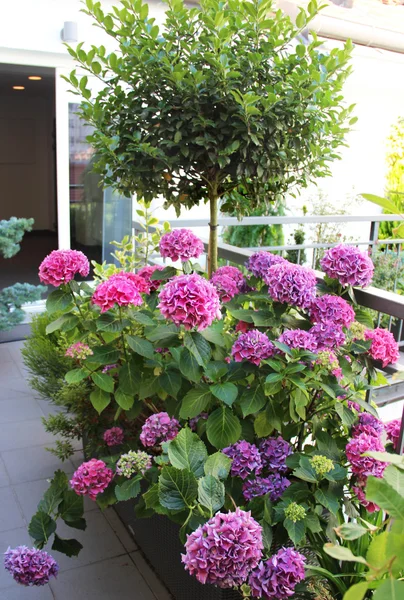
{"x": 178, "y": 488}
{"x": 313, "y": 522}
{"x": 213, "y": 336}
{"x": 382, "y": 494}
{"x": 111, "y": 323}
{"x": 226, "y": 392}
{"x": 59, "y": 301}
{"x": 129, "y": 380}
{"x": 69, "y": 547}
{"x": 211, "y": 493}
{"x": 164, "y": 274}
{"x": 218, "y": 465}
{"x": 99, "y": 399}
{"x": 140, "y": 346}
{"x": 357, "y": 591}
{"x": 223, "y": 428}
{"x": 327, "y": 499}
{"x": 187, "y": 451}
{"x": 125, "y": 401}
{"x": 65, "y": 322}
{"x": 198, "y": 347}
{"x": 351, "y": 531}
{"x": 79, "y": 524}
{"x": 296, "y": 531}
{"x": 164, "y": 335}
{"x": 390, "y": 590}
{"x": 395, "y": 478}
{"x": 41, "y": 528}
{"x": 252, "y": 400}
{"x": 53, "y": 495}
{"x": 195, "y": 402}
{"x": 385, "y": 203}
{"x": 346, "y": 415}
{"x": 107, "y": 498}
{"x": 189, "y": 366}
{"x": 142, "y": 318}
{"x": 103, "y": 381}
{"x": 104, "y": 355}
{"x": 71, "y": 508}
{"x": 305, "y": 471}
{"x": 376, "y": 555}
{"x": 76, "y": 375}
{"x": 342, "y": 553}
{"x": 170, "y": 381}
{"x": 128, "y": 490}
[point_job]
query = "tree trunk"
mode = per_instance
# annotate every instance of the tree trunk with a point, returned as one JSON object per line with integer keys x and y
{"x": 212, "y": 250}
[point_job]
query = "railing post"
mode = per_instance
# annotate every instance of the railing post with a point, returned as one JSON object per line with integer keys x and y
{"x": 373, "y": 235}
{"x": 400, "y": 442}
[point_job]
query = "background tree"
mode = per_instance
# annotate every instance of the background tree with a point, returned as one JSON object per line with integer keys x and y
{"x": 221, "y": 98}
{"x": 395, "y": 176}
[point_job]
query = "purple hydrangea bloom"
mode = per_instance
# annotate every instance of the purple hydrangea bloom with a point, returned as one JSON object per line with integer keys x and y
{"x": 277, "y": 577}
{"x": 30, "y": 566}
{"x": 365, "y": 465}
{"x": 228, "y": 281}
{"x": 181, "y": 244}
{"x": 274, "y": 485}
{"x": 291, "y": 284}
{"x": 246, "y": 459}
{"x": 274, "y": 452}
{"x": 253, "y": 346}
{"x": 368, "y": 424}
{"x": 349, "y": 265}
{"x": 191, "y": 301}
{"x": 351, "y": 404}
{"x": 259, "y": 262}
{"x": 159, "y": 428}
{"x": 225, "y": 549}
{"x": 332, "y": 309}
{"x": 193, "y": 422}
{"x": 299, "y": 339}
{"x": 393, "y": 431}
{"x": 328, "y": 335}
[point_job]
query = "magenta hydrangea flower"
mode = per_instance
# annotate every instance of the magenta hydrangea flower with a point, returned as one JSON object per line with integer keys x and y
{"x": 91, "y": 478}
{"x": 328, "y": 335}
{"x": 291, "y": 284}
{"x": 393, "y": 431}
{"x": 246, "y": 459}
{"x": 349, "y": 265}
{"x": 365, "y": 465}
{"x": 60, "y": 266}
{"x": 253, "y": 346}
{"x": 228, "y": 281}
{"x": 299, "y": 339}
{"x": 191, "y": 301}
{"x": 113, "y": 436}
{"x": 181, "y": 244}
{"x": 277, "y": 577}
{"x": 332, "y": 309}
{"x": 384, "y": 347}
{"x": 369, "y": 424}
{"x": 359, "y": 491}
{"x": 259, "y": 262}
{"x": 117, "y": 290}
{"x": 274, "y": 485}
{"x": 274, "y": 452}
{"x": 30, "y": 566}
{"x": 146, "y": 272}
{"x": 79, "y": 351}
{"x": 225, "y": 549}
{"x": 142, "y": 285}
{"x": 159, "y": 428}
{"x": 351, "y": 404}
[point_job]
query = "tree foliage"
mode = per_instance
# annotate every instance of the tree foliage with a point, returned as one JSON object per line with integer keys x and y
{"x": 395, "y": 175}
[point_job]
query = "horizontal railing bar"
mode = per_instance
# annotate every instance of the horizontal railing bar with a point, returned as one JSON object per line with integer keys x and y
{"x": 387, "y": 394}
{"x": 306, "y": 246}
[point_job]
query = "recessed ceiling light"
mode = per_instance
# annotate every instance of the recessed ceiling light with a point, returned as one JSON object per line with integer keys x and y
{"x": 35, "y": 78}
{"x": 18, "y": 87}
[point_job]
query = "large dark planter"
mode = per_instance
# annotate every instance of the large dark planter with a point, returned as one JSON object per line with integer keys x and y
{"x": 157, "y": 537}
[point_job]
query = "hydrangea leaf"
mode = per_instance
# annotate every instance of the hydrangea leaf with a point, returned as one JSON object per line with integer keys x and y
{"x": 198, "y": 347}
{"x": 125, "y": 401}
{"x": 195, "y": 402}
{"x": 211, "y": 493}
{"x": 100, "y": 399}
{"x": 104, "y": 355}
{"x": 226, "y": 392}
{"x": 171, "y": 382}
{"x": 390, "y": 590}
{"x": 223, "y": 428}
{"x": 296, "y": 530}
{"x": 41, "y": 528}
{"x": 69, "y": 547}
{"x": 59, "y": 301}
{"x": 178, "y": 488}
{"x": 189, "y": 366}
{"x": 129, "y": 489}
{"x": 140, "y": 346}
{"x": 384, "y": 495}
{"x": 218, "y": 465}
{"x": 129, "y": 381}
{"x": 187, "y": 451}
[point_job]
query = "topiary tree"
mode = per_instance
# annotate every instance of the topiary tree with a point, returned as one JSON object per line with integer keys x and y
{"x": 222, "y": 98}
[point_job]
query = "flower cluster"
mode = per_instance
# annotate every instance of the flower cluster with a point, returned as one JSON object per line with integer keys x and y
{"x": 274, "y": 452}
{"x": 30, "y": 566}
{"x": 159, "y": 428}
{"x": 246, "y": 459}
{"x": 393, "y": 431}
{"x": 133, "y": 462}
{"x": 294, "y": 512}
{"x": 181, "y": 244}
{"x": 253, "y": 346}
{"x": 332, "y": 309}
{"x": 191, "y": 301}
{"x": 365, "y": 465}
{"x": 91, "y": 478}
{"x": 357, "y": 331}
{"x": 328, "y": 335}
{"x": 329, "y": 360}
{"x": 369, "y": 424}
{"x": 291, "y": 284}
{"x": 119, "y": 289}
{"x": 384, "y": 347}
{"x": 225, "y": 549}
{"x": 146, "y": 272}
{"x": 349, "y": 265}
{"x": 259, "y": 262}
{"x": 60, "y": 266}
{"x": 79, "y": 351}
{"x": 274, "y": 485}
{"x": 299, "y": 339}
{"x": 141, "y": 283}
{"x": 277, "y": 577}
{"x": 228, "y": 281}
{"x": 321, "y": 464}
{"x": 113, "y": 436}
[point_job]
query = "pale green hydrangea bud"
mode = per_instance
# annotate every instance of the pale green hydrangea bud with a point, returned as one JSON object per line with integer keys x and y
{"x": 321, "y": 464}
{"x": 133, "y": 462}
{"x": 294, "y": 512}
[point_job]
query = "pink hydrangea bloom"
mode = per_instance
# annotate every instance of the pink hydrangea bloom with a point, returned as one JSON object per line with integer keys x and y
{"x": 181, "y": 244}
{"x": 159, "y": 428}
{"x": 277, "y": 577}
{"x": 91, "y": 478}
{"x": 299, "y": 339}
{"x": 228, "y": 281}
{"x": 359, "y": 491}
{"x": 191, "y": 301}
{"x": 259, "y": 262}
{"x": 225, "y": 549}
{"x": 369, "y": 424}
{"x": 327, "y": 335}
{"x": 60, "y": 266}
{"x": 243, "y": 326}
{"x": 291, "y": 284}
{"x": 332, "y": 309}
{"x": 246, "y": 459}
{"x": 146, "y": 272}
{"x": 79, "y": 351}
{"x": 393, "y": 431}
{"x": 349, "y": 265}
{"x": 365, "y": 465}
{"x": 253, "y": 346}
{"x": 384, "y": 347}
{"x": 113, "y": 436}
{"x": 142, "y": 285}
{"x": 118, "y": 289}
{"x": 30, "y": 566}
